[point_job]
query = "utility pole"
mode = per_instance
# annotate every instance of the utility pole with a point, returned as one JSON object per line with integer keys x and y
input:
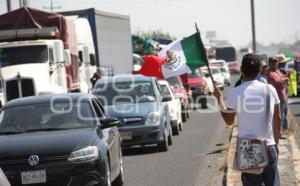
{"x": 8, "y": 3}
{"x": 51, "y": 7}
{"x": 253, "y": 26}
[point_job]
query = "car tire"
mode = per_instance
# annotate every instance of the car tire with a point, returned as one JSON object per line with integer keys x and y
{"x": 119, "y": 181}
{"x": 175, "y": 130}
{"x": 163, "y": 146}
{"x": 180, "y": 127}
{"x": 187, "y": 113}
{"x": 107, "y": 173}
{"x": 203, "y": 103}
{"x": 184, "y": 115}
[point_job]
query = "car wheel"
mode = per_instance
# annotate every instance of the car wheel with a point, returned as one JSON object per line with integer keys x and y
{"x": 175, "y": 130}
{"x": 163, "y": 146}
{"x": 187, "y": 113}
{"x": 170, "y": 140}
{"x": 107, "y": 173}
{"x": 203, "y": 103}
{"x": 180, "y": 127}
{"x": 184, "y": 115}
{"x": 119, "y": 181}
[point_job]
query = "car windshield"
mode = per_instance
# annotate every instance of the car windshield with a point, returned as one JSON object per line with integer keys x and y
{"x": 174, "y": 81}
{"x": 26, "y": 54}
{"x": 215, "y": 70}
{"x": 125, "y": 92}
{"x": 42, "y": 117}
{"x": 195, "y": 73}
{"x": 226, "y": 53}
{"x": 223, "y": 70}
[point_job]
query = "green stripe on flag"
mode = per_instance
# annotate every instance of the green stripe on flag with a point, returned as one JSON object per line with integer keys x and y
{"x": 194, "y": 51}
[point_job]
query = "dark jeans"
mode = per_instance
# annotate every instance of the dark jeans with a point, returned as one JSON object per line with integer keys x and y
{"x": 283, "y": 114}
{"x": 270, "y": 176}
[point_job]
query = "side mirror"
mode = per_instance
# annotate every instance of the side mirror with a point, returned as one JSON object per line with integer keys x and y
{"x": 166, "y": 99}
{"x": 86, "y": 55}
{"x": 67, "y": 57}
{"x": 109, "y": 122}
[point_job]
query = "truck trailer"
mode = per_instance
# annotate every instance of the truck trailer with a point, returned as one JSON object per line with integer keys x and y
{"x": 112, "y": 40}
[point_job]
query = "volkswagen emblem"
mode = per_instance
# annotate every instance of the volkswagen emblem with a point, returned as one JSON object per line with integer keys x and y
{"x": 33, "y": 160}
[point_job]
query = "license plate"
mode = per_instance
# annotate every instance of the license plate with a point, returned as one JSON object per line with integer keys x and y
{"x": 126, "y": 135}
{"x": 32, "y": 177}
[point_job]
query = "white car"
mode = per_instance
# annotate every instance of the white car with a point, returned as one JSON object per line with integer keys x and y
{"x": 226, "y": 75}
{"x": 174, "y": 107}
{"x": 219, "y": 62}
{"x": 217, "y": 76}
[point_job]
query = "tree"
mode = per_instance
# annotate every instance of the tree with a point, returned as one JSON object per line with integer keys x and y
{"x": 155, "y": 34}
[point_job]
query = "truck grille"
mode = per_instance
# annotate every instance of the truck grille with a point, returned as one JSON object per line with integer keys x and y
{"x": 12, "y": 88}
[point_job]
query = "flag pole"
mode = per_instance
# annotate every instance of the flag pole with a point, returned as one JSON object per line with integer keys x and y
{"x": 209, "y": 71}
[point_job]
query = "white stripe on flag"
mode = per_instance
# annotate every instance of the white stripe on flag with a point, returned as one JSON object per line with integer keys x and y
{"x": 182, "y": 67}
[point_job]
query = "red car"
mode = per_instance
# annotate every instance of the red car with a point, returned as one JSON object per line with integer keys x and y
{"x": 180, "y": 92}
{"x": 234, "y": 68}
{"x": 196, "y": 83}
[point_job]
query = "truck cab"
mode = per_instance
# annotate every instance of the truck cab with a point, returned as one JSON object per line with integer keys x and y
{"x": 33, "y": 67}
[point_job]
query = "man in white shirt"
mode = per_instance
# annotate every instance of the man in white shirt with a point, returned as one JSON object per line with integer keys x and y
{"x": 247, "y": 102}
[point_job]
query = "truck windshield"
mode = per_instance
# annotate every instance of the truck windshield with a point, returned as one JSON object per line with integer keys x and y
{"x": 226, "y": 53}
{"x": 23, "y": 55}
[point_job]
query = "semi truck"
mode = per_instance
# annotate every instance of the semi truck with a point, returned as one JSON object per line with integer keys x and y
{"x": 42, "y": 53}
{"x": 111, "y": 37}
{"x": 38, "y": 54}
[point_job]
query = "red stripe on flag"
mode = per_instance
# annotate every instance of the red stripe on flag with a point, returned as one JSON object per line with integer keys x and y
{"x": 152, "y": 66}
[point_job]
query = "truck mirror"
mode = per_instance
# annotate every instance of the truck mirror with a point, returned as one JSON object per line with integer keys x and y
{"x": 59, "y": 52}
{"x": 67, "y": 57}
{"x": 85, "y": 55}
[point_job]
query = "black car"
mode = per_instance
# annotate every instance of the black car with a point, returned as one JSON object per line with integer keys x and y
{"x": 63, "y": 139}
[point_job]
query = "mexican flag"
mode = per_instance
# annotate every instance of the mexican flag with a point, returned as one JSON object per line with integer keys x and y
{"x": 177, "y": 58}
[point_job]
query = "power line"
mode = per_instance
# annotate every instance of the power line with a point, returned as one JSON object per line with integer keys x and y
{"x": 51, "y": 7}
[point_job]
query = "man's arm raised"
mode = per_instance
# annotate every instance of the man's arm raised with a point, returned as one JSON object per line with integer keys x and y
{"x": 228, "y": 114}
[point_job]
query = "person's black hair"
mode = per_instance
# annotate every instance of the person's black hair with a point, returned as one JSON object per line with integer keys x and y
{"x": 250, "y": 65}
{"x": 272, "y": 60}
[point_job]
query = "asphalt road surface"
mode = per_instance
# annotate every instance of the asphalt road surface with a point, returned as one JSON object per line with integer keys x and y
{"x": 195, "y": 158}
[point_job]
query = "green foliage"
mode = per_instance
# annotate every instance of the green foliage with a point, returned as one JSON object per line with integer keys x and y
{"x": 155, "y": 34}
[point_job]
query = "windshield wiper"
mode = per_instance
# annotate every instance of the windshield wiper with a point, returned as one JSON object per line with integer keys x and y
{"x": 44, "y": 129}
{"x": 10, "y": 132}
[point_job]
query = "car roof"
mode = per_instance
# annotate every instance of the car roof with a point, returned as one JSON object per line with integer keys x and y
{"x": 163, "y": 82}
{"x": 46, "y": 99}
{"x": 124, "y": 78}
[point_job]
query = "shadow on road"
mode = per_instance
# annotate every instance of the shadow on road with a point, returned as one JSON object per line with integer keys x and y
{"x": 139, "y": 150}
{"x": 218, "y": 151}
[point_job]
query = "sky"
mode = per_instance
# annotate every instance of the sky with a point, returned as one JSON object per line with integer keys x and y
{"x": 276, "y": 20}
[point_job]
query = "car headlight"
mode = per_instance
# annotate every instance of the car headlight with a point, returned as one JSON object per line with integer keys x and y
{"x": 85, "y": 154}
{"x": 153, "y": 118}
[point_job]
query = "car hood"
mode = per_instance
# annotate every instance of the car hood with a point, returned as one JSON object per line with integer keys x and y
{"x": 45, "y": 144}
{"x": 131, "y": 110}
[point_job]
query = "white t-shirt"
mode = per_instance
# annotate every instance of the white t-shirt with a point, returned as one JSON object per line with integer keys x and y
{"x": 249, "y": 102}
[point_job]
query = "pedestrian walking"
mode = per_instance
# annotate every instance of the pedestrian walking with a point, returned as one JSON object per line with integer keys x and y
{"x": 278, "y": 80}
{"x": 248, "y": 101}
